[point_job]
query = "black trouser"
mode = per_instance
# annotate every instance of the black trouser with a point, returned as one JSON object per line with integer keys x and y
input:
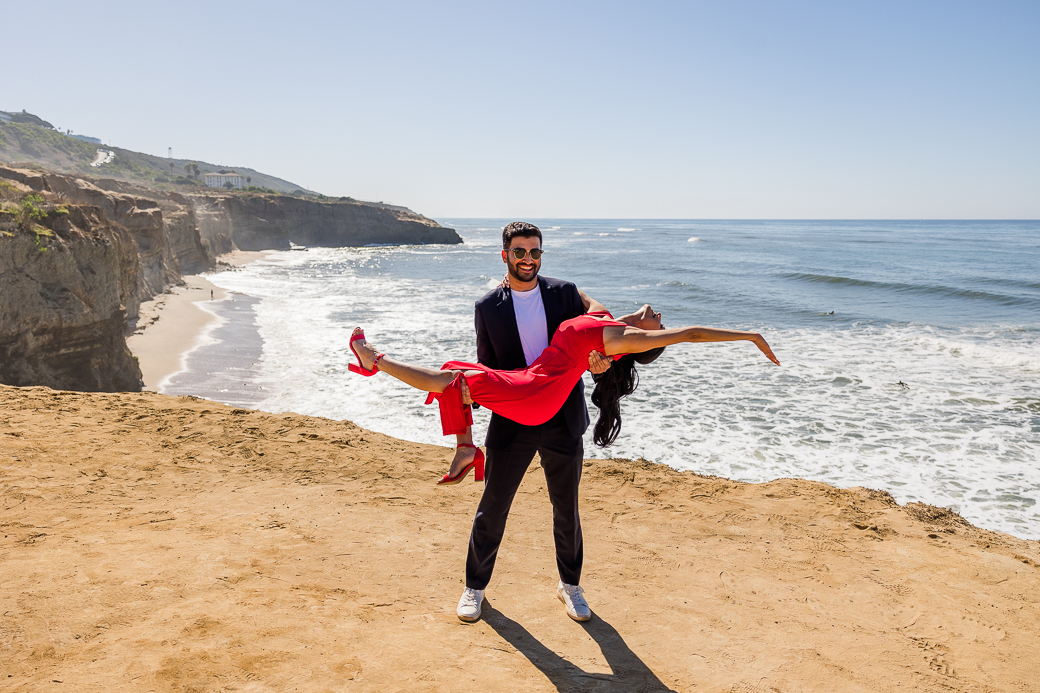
{"x": 562, "y": 457}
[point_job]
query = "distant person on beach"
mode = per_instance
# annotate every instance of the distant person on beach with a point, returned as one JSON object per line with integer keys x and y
{"x": 535, "y": 392}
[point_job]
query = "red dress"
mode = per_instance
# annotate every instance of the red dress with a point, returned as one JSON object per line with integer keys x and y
{"x": 531, "y": 395}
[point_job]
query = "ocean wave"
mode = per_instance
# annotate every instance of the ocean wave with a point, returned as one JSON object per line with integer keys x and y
{"x": 680, "y": 285}
{"x": 625, "y": 228}
{"x": 1017, "y": 283}
{"x": 924, "y": 289}
{"x": 692, "y": 239}
{"x": 996, "y": 355}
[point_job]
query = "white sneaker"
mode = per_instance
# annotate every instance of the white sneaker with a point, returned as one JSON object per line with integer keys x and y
{"x": 469, "y": 605}
{"x": 573, "y": 598}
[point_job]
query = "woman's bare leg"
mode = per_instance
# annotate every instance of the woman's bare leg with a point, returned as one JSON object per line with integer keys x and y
{"x": 463, "y": 456}
{"x": 425, "y": 379}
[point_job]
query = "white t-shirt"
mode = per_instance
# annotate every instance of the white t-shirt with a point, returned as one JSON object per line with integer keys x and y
{"x": 530, "y": 320}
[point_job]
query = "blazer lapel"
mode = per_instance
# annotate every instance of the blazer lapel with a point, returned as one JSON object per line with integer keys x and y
{"x": 553, "y": 315}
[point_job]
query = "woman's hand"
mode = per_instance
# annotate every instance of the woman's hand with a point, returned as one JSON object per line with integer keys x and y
{"x": 759, "y": 341}
{"x": 598, "y": 363}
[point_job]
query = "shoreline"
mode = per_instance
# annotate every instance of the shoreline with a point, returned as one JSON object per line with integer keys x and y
{"x": 175, "y": 323}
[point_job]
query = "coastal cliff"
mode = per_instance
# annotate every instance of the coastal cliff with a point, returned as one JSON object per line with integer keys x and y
{"x": 64, "y": 292}
{"x": 168, "y": 244}
{"x": 72, "y": 281}
{"x": 273, "y": 222}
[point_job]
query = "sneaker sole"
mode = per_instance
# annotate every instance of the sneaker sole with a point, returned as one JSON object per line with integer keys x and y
{"x": 468, "y": 619}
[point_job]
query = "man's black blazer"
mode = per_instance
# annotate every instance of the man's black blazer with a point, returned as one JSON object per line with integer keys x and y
{"x": 499, "y": 346}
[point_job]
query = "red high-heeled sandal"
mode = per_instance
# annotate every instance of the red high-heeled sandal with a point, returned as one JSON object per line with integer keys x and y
{"x": 477, "y": 464}
{"x": 359, "y": 368}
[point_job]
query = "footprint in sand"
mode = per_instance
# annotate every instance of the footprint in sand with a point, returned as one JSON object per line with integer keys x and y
{"x": 901, "y": 590}
{"x": 977, "y": 631}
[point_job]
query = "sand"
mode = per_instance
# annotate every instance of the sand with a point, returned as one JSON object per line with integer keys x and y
{"x": 170, "y": 325}
{"x": 153, "y": 543}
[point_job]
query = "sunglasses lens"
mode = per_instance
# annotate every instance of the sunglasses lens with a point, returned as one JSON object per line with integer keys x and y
{"x": 520, "y": 253}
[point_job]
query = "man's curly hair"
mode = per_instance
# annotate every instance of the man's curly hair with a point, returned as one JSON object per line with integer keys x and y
{"x": 522, "y": 229}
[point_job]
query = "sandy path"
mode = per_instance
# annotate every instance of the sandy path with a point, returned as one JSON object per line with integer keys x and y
{"x": 152, "y": 543}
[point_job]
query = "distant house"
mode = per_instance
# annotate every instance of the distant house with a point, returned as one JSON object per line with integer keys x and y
{"x": 5, "y": 117}
{"x": 221, "y": 179}
{"x": 92, "y": 140}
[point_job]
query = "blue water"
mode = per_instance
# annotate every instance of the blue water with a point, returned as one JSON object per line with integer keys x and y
{"x": 852, "y": 309}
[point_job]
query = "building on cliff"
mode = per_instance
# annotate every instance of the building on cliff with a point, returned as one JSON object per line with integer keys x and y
{"x": 220, "y": 180}
{"x": 85, "y": 138}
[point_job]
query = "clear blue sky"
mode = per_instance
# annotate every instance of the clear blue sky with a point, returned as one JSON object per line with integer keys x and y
{"x": 564, "y": 109}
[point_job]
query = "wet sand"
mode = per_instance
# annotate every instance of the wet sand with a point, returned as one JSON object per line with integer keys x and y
{"x": 156, "y": 543}
{"x": 175, "y": 323}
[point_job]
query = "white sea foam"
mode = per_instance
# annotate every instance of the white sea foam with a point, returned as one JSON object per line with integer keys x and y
{"x": 627, "y": 228}
{"x": 962, "y": 434}
{"x": 692, "y": 239}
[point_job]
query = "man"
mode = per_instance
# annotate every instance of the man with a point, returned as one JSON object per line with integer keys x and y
{"x": 514, "y": 325}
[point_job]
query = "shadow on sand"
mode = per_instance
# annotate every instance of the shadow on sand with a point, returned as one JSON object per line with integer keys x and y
{"x": 629, "y": 675}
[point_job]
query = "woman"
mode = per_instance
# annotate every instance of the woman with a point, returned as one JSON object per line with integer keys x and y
{"x": 532, "y": 395}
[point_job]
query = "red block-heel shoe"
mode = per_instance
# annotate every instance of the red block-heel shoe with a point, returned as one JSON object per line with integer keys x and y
{"x": 477, "y": 464}
{"x": 358, "y": 367}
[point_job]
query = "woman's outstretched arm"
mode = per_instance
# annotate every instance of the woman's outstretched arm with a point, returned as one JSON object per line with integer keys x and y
{"x": 632, "y": 340}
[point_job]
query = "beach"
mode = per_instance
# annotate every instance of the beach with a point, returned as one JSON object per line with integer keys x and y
{"x": 174, "y": 323}
{"x": 156, "y": 543}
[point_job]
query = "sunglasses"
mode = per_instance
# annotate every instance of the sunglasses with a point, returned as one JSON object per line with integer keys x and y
{"x": 521, "y": 253}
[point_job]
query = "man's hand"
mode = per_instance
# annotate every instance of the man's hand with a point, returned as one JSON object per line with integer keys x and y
{"x": 598, "y": 363}
{"x": 464, "y": 387}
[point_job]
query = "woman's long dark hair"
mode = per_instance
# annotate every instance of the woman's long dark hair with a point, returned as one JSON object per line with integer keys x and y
{"x": 619, "y": 381}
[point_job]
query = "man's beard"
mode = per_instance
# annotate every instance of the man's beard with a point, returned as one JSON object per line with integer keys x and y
{"x": 514, "y": 272}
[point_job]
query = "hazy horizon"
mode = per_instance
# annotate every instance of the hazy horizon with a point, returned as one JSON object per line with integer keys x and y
{"x": 748, "y": 110}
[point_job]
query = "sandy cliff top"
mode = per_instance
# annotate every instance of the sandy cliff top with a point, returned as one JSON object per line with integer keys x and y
{"x": 153, "y": 543}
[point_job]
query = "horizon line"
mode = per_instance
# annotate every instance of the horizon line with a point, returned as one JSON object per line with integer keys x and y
{"x": 1024, "y": 219}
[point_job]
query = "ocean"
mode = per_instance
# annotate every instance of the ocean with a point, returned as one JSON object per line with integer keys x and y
{"x": 909, "y": 349}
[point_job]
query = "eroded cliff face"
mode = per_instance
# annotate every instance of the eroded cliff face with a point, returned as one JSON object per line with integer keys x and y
{"x": 271, "y": 222}
{"x": 214, "y": 223}
{"x": 162, "y": 224}
{"x": 68, "y": 293}
{"x": 63, "y": 303}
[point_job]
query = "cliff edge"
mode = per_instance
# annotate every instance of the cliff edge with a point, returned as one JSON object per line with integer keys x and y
{"x": 78, "y": 256}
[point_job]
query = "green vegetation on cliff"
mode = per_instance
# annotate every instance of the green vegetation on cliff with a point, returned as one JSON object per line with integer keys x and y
{"x": 28, "y": 143}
